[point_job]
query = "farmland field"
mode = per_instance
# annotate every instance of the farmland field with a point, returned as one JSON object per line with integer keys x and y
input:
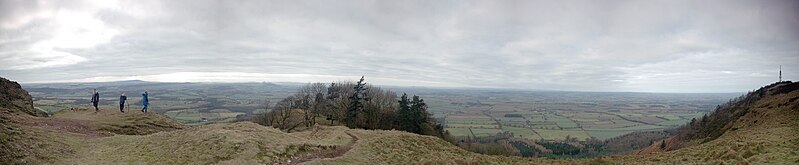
{"x": 548, "y": 134}
{"x": 555, "y": 115}
{"x": 484, "y": 132}
{"x": 522, "y": 132}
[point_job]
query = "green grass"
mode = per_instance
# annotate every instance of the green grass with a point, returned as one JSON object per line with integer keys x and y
{"x": 629, "y": 114}
{"x": 31, "y": 145}
{"x": 561, "y": 121}
{"x": 668, "y": 116}
{"x": 522, "y": 132}
{"x": 674, "y": 122}
{"x": 640, "y": 127}
{"x": 617, "y": 123}
{"x": 476, "y": 121}
{"x": 471, "y": 126}
{"x": 606, "y": 134}
{"x": 485, "y": 132}
{"x": 561, "y": 134}
{"x": 459, "y": 131}
{"x": 556, "y": 126}
{"x": 545, "y": 126}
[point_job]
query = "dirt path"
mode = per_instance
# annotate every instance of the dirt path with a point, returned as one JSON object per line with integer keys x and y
{"x": 338, "y": 153}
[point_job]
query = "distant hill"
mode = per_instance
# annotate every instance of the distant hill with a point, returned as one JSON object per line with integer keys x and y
{"x": 767, "y": 133}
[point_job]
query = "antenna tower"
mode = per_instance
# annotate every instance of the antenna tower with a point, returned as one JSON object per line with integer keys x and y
{"x": 780, "y": 73}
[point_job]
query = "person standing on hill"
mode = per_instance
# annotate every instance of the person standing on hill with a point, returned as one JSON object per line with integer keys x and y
{"x": 122, "y": 99}
{"x": 96, "y": 100}
{"x": 144, "y": 102}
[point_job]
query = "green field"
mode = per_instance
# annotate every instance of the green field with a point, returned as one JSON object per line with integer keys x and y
{"x": 556, "y": 125}
{"x": 604, "y": 134}
{"x": 459, "y": 131}
{"x": 561, "y": 121}
{"x": 561, "y": 134}
{"x": 522, "y": 132}
{"x": 485, "y": 132}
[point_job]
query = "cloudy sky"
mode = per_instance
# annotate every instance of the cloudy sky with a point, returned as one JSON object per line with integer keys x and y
{"x": 645, "y": 46}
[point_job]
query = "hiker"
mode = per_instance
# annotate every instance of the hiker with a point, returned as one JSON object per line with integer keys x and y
{"x": 144, "y": 102}
{"x": 96, "y": 100}
{"x": 122, "y": 99}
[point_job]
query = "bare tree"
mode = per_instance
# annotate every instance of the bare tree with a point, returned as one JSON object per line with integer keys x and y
{"x": 265, "y": 118}
{"x": 337, "y": 100}
{"x": 286, "y": 116}
{"x": 312, "y": 98}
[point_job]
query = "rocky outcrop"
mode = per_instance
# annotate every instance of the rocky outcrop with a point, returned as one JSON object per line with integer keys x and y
{"x": 14, "y": 99}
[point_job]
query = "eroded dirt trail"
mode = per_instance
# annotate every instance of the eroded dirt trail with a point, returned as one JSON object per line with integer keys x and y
{"x": 326, "y": 155}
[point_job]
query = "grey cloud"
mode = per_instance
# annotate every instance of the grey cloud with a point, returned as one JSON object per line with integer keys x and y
{"x": 661, "y": 46}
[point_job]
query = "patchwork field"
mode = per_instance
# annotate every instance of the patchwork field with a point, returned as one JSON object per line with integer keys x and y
{"x": 556, "y": 115}
{"x": 556, "y": 125}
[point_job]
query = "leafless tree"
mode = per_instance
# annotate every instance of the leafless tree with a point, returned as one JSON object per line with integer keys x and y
{"x": 312, "y": 99}
{"x": 265, "y": 118}
{"x": 286, "y": 116}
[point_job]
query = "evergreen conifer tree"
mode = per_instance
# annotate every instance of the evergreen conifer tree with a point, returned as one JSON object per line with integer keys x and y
{"x": 357, "y": 99}
{"x": 405, "y": 119}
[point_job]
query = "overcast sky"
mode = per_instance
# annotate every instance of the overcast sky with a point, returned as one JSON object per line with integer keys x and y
{"x": 644, "y": 46}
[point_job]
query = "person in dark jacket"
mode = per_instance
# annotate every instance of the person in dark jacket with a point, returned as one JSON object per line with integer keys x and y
{"x": 144, "y": 102}
{"x": 122, "y": 99}
{"x": 96, "y": 100}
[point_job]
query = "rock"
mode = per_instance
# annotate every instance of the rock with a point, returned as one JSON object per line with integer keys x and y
{"x": 15, "y": 99}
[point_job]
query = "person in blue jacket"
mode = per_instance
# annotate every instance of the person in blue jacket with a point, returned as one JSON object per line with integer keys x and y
{"x": 144, "y": 102}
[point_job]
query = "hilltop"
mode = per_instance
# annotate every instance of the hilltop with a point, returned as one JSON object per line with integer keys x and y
{"x": 759, "y": 127}
{"x": 767, "y": 133}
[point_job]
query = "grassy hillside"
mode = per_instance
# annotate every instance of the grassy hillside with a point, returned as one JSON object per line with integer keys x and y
{"x": 81, "y": 138}
{"x": 129, "y": 123}
{"x": 761, "y": 128}
{"x": 249, "y": 143}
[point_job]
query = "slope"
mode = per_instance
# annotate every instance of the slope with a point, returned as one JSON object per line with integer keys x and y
{"x": 14, "y": 99}
{"x": 760, "y": 127}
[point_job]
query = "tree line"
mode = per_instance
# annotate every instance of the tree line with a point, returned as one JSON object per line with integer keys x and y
{"x": 352, "y": 104}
